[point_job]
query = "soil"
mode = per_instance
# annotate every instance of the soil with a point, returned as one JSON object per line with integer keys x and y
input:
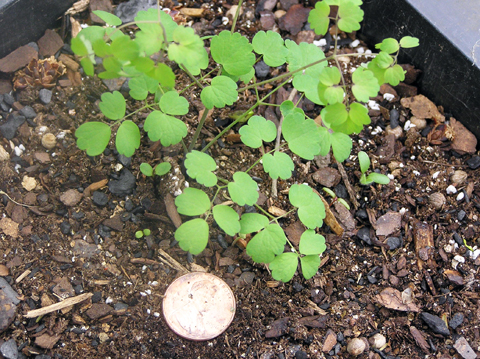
{"x": 401, "y": 255}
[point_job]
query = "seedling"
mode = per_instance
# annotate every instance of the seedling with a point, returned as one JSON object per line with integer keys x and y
{"x": 139, "y": 234}
{"x": 335, "y": 198}
{"x": 379, "y": 178}
{"x": 232, "y": 57}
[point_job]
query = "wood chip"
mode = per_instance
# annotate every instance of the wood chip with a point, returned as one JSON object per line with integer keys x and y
{"x": 330, "y": 219}
{"x": 57, "y": 306}
{"x": 94, "y": 186}
{"x": 193, "y": 12}
{"x": 391, "y": 298}
{"x": 172, "y": 210}
{"x": 423, "y": 238}
{"x": 419, "y": 339}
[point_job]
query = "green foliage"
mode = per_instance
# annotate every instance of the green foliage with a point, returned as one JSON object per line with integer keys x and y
{"x": 318, "y": 18}
{"x": 311, "y": 210}
{"x": 233, "y": 52}
{"x": 339, "y": 119}
{"x": 109, "y": 19}
{"x": 227, "y": 219}
{"x": 159, "y": 170}
{"x": 128, "y": 138}
{"x": 278, "y": 165}
{"x": 257, "y": 130}
{"x": 301, "y": 135}
{"x": 199, "y": 166}
{"x": 187, "y": 50}
{"x": 192, "y": 236}
{"x": 223, "y": 91}
{"x": 243, "y": 190}
{"x": 271, "y": 45}
{"x": 364, "y": 162}
{"x": 192, "y": 202}
{"x": 113, "y": 105}
{"x": 328, "y": 91}
{"x": 93, "y": 137}
{"x": 252, "y": 222}
{"x": 267, "y": 244}
{"x": 365, "y": 85}
{"x": 408, "y": 41}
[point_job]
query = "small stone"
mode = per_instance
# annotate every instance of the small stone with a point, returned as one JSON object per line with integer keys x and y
{"x": 70, "y": 198}
{"x": 419, "y": 123}
{"x": 437, "y": 200}
{"x": 456, "y": 320}
{"x": 65, "y": 227}
{"x": 9, "y": 349}
{"x": 9, "y": 227}
{"x": 42, "y": 157}
{"x": 8, "y": 304}
{"x": 246, "y": 278}
{"x": 4, "y": 155}
{"x": 49, "y": 141}
{"x": 98, "y": 310}
{"x": 301, "y": 355}
{"x": 357, "y": 346}
{"x": 99, "y": 198}
{"x": 364, "y": 234}
{"x": 278, "y": 328}
{"x": 28, "y": 112}
{"x": 464, "y": 349}
{"x": 394, "y": 116}
{"x": 120, "y": 306}
{"x": 294, "y": 19}
{"x": 47, "y": 341}
{"x": 45, "y": 96}
{"x": 124, "y": 185}
{"x": 436, "y": 324}
{"x": 474, "y": 162}
{"x": 64, "y": 288}
{"x": 388, "y": 223}
{"x": 327, "y": 177}
{"x": 330, "y": 341}
{"x": 394, "y": 243}
{"x": 267, "y": 20}
{"x": 454, "y": 277}
{"x": 9, "y": 128}
{"x": 397, "y": 132}
{"x": 461, "y": 215}
{"x": 29, "y": 183}
{"x": 261, "y": 69}
{"x": 459, "y": 177}
{"x": 377, "y": 341}
{"x": 3, "y": 270}
{"x": 287, "y": 4}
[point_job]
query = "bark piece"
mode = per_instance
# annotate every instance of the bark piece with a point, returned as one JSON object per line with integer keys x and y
{"x": 419, "y": 339}
{"x": 18, "y": 59}
{"x": 46, "y": 341}
{"x": 172, "y": 210}
{"x": 278, "y": 328}
{"x": 463, "y": 140}
{"x": 391, "y": 298}
{"x": 388, "y": 223}
{"x": 464, "y": 349}
{"x": 49, "y": 43}
{"x": 422, "y": 107}
{"x": 330, "y": 219}
{"x": 424, "y": 245}
{"x": 330, "y": 341}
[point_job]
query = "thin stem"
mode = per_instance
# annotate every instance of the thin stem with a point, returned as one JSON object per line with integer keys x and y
{"x": 237, "y": 13}
{"x": 191, "y": 76}
{"x": 185, "y": 150}
{"x": 198, "y": 130}
{"x": 265, "y": 212}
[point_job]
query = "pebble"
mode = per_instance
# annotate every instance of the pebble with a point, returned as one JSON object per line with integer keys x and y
{"x": 127, "y": 11}
{"x": 341, "y": 191}
{"x": 394, "y": 117}
{"x": 65, "y": 227}
{"x": 70, "y": 198}
{"x": 394, "y": 243}
{"x": 124, "y": 185}
{"x": 8, "y": 99}
{"x": 456, "y": 320}
{"x": 474, "y": 162}
{"x": 361, "y": 214}
{"x": 377, "y": 341}
{"x": 357, "y": 346}
{"x": 49, "y": 141}
{"x": 464, "y": 349}
{"x": 436, "y": 324}
{"x": 261, "y": 69}
{"x": 45, "y": 96}
{"x": 461, "y": 215}
{"x": 28, "y": 112}
{"x": 327, "y": 177}
{"x": 364, "y": 234}
{"x": 9, "y": 349}
{"x": 9, "y": 128}
{"x": 437, "y": 200}
{"x": 124, "y": 160}
{"x": 98, "y": 310}
{"x": 8, "y": 304}
{"x": 99, "y": 198}
{"x": 301, "y": 355}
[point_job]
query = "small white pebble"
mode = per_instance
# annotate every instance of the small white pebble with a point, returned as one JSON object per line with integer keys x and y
{"x": 321, "y": 42}
{"x": 373, "y": 105}
{"x": 460, "y": 196}
{"x": 148, "y": 310}
{"x": 435, "y": 175}
{"x": 18, "y": 151}
{"x": 225, "y": 20}
{"x": 368, "y": 52}
{"x": 388, "y": 96}
{"x": 108, "y": 300}
{"x": 391, "y": 176}
{"x": 156, "y": 314}
{"x": 143, "y": 294}
{"x": 459, "y": 259}
{"x": 475, "y": 254}
{"x": 177, "y": 193}
{"x": 355, "y": 43}
{"x": 412, "y": 158}
{"x": 451, "y": 189}
{"x": 61, "y": 135}
{"x": 118, "y": 167}
{"x": 360, "y": 50}
{"x": 408, "y": 125}
{"x": 403, "y": 211}
{"x": 148, "y": 291}
{"x": 187, "y": 184}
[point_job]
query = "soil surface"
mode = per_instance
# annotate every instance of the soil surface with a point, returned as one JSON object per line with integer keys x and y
{"x": 401, "y": 270}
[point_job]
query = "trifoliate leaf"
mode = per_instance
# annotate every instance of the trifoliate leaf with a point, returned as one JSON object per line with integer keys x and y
{"x": 388, "y": 45}
{"x": 142, "y": 65}
{"x": 252, "y": 222}
{"x": 173, "y": 104}
{"x": 150, "y": 41}
{"x": 278, "y": 165}
{"x": 257, "y": 130}
{"x": 378, "y": 72}
{"x": 192, "y": 202}
{"x": 163, "y": 74}
{"x": 243, "y": 190}
{"x": 364, "y": 161}
{"x": 318, "y": 18}
{"x": 365, "y": 85}
{"x": 140, "y": 86}
{"x": 284, "y": 266}
{"x": 113, "y": 105}
{"x": 328, "y": 91}
{"x": 148, "y": 21}
{"x": 109, "y": 18}
{"x": 128, "y": 138}
{"x": 408, "y": 42}
{"x": 223, "y": 91}
{"x": 334, "y": 115}
{"x": 188, "y": 50}
{"x": 340, "y": 2}
{"x": 301, "y": 135}
{"x": 271, "y": 45}
{"x": 310, "y": 265}
{"x": 93, "y": 137}
{"x": 311, "y": 210}
{"x": 339, "y": 119}
{"x": 265, "y": 245}
{"x": 146, "y": 169}
{"x": 192, "y": 236}
{"x": 101, "y": 48}
{"x": 162, "y": 168}
{"x": 393, "y": 75}
{"x": 82, "y": 44}
{"x": 124, "y": 48}
{"x": 233, "y": 52}
{"x": 311, "y": 243}
{"x": 227, "y": 219}
{"x": 199, "y": 166}
{"x": 341, "y": 145}
{"x": 165, "y": 128}
{"x": 350, "y": 16}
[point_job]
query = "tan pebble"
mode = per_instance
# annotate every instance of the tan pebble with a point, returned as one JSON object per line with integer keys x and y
{"x": 3, "y": 270}
{"x": 393, "y": 165}
{"x": 459, "y": 177}
{"x": 437, "y": 200}
{"x": 345, "y": 59}
{"x": 397, "y": 131}
{"x": 4, "y": 155}
{"x": 29, "y": 183}
{"x": 356, "y": 346}
{"x": 49, "y": 141}
{"x": 420, "y": 123}
{"x": 279, "y": 13}
{"x": 377, "y": 341}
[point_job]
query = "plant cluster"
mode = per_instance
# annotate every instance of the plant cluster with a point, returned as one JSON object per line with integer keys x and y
{"x": 152, "y": 80}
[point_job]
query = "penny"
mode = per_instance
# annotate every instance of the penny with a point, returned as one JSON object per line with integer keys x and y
{"x": 198, "y": 306}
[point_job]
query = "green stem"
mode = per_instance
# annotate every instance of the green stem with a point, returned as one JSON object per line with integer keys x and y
{"x": 198, "y": 130}
{"x": 237, "y": 13}
{"x": 265, "y": 212}
{"x": 191, "y": 76}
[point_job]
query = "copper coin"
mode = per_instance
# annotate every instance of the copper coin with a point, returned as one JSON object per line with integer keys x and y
{"x": 198, "y": 306}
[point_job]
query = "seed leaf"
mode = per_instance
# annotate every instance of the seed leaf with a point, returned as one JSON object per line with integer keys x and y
{"x": 223, "y": 91}
{"x": 199, "y": 166}
{"x": 188, "y": 50}
{"x": 377, "y": 178}
{"x": 233, "y": 52}
{"x": 265, "y": 245}
{"x": 128, "y": 138}
{"x": 140, "y": 86}
{"x": 243, "y": 190}
{"x": 364, "y": 161}
{"x": 341, "y": 145}
{"x": 311, "y": 210}
{"x": 301, "y": 135}
{"x": 278, "y": 165}
{"x": 284, "y": 266}
{"x": 408, "y": 42}
{"x": 93, "y": 137}
{"x": 393, "y": 75}
{"x": 227, "y": 219}
{"x": 310, "y": 265}
{"x": 173, "y": 104}
{"x": 318, "y": 18}
{"x": 162, "y": 168}
{"x": 388, "y": 45}
{"x": 258, "y": 129}
{"x": 192, "y": 236}
{"x": 271, "y": 45}
{"x": 365, "y": 84}
{"x": 146, "y": 169}
{"x": 192, "y": 202}
{"x": 252, "y": 222}
{"x": 165, "y": 128}
{"x": 311, "y": 243}
{"x": 113, "y": 105}
{"x": 350, "y": 16}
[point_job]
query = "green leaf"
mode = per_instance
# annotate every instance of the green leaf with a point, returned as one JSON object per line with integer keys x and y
{"x": 109, "y": 19}
{"x": 188, "y": 50}
{"x": 287, "y": 107}
{"x": 257, "y": 130}
{"x": 93, "y": 137}
{"x": 365, "y": 85}
{"x": 173, "y": 104}
{"x": 302, "y": 55}
{"x": 101, "y": 48}
{"x": 408, "y": 42}
{"x": 278, "y": 165}
{"x": 140, "y": 86}
{"x": 162, "y": 168}
{"x": 148, "y": 21}
{"x": 151, "y": 41}
{"x": 143, "y": 64}
{"x": 388, "y": 45}
{"x": 227, "y": 219}
{"x": 243, "y": 190}
{"x": 199, "y": 166}
{"x": 248, "y": 76}
{"x": 310, "y": 265}
{"x": 252, "y": 222}
{"x": 192, "y": 236}
{"x": 364, "y": 161}
{"x": 113, "y": 105}
{"x": 311, "y": 243}
{"x": 301, "y": 135}
{"x": 338, "y": 119}
{"x": 318, "y": 18}
{"x": 311, "y": 210}
{"x": 325, "y": 140}
{"x": 341, "y": 145}
{"x": 377, "y": 178}
{"x": 383, "y": 60}
{"x": 309, "y": 86}
{"x": 87, "y": 65}
{"x": 350, "y": 16}
{"x": 328, "y": 92}
{"x": 265, "y": 245}
{"x": 233, "y": 52}
{"x": 192, "y": 202}
{"x": 124, "y": 48}
{"x": 271, "y": 45}
{"x": 165, "y": 128}
{"x": 163, "y": 74}
{"x": 128, "y": 138}
{"x": 393, "y": 75}
{"x": 146, "y": 169}
{"x": 284, "y": 266}
{"x": 334, "y": 115}
{"x": 223, "y": 91}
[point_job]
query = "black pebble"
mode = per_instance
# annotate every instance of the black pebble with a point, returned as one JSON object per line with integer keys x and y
{"x": 436, "y": 324}
{"x": 394, "y": 243}
{"x": 361, "y": 213}
{"x": 96, "y": 297}
{"x": 104, "y": 231}
{"x": 474, "y": 162}
{"x": 458, "y": 239}
{"x": 78, "y": 289}
{"x": 124, "y": 160}
{"x": 364, "y": 235}
{"x": 99, "y": 198}
{"x": 28, "y": 112}
{"x": 456, "y": 320}
{"x": 394, "y": 116}
{"x": 45, "y": 96}
{"x": 261, "y": 69}
{"x": 128, "y": 205}
{"x": 8, "y": 99}
{"x": 124, "y": 185}
{"x": 78, "y": 215}
{"x": 9, "y": 128}
{"x": 297, "y": 286}
{"x": 301, "y": 355}
{"x": 65, "y": 227}
{"x": 341, "y": 191}
{"x": 461, "y": 215}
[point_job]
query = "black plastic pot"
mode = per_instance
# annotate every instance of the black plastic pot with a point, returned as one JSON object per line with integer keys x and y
{"x": 449, "y": 51}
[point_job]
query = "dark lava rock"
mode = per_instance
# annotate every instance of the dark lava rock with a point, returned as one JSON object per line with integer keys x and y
{"x": 364, "y": 235}
{"x": 461, "y": 215}
{"x": 301, "y": 355}
{"x": 65, "y": 227}
{"x": 361, "y": 213}
{"x": 458, "y": 239}
{"x": 124, "y": 160}
{"x": 341, "y": 191}
{"x": 436, "y": 324}
{"x": 456, "y": 320}
{"x": 8, "y": 304}
{"x": 9, "y": 349}
{"x": 9, "y": 128}
{"x": 8, "y": 99}
{"x": 394, "y": 117}
{"x": 28, "y": 112}
{"x": 261, "y": 69}
{"x": 120, "y": 306}
{"x": 394, "y": 243}
{"x": 474, "y": 162}
{"x": 124, "y": 185}
{"x": 45, "y": 96}
{"x": 96, "y": 297}
{"x": 127, "y": 11}
{"x": 99, "y": 198}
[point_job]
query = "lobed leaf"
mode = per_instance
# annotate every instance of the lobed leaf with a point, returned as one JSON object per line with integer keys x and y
{"x": 93, "y": 137}
{"x": 165, "y": 128}
{"x": 284, "y": 266}
{"x": 142, "y": 85}
{"x": 257, "y": 130}
{"x": 309, "y": 86}
{"x": 233, "y": 52}
{"x": 192, "y": 202}
{"x": 271, "y": 45}
{"x": 252, "y": 222}
{"x": 365, "y": 85}
{"x": 388, "y": 45}
{"x": 188, "y": 50}
{"x": 310, "y": 265}
{"x": 278, "y": 165}
{"x": 128, "y": 138}
{"x": 192, "y": 236}
{"x": 301, "y": 135}
{"x": 350, "y": 16}
{"x": 124, "y": 48}
{"x": 341, "y": 145}
{"x": 113, "y": 105}
{"x": 199, "y": 166}
{"x": 222, "y": 92}
{"x": 227, "y": 219}
{"x": 150, "y": 41}
{"x": 328, "y": 92}
{"x": 339, "y": 119}
{"x": 318, "y": 18}
{"x": 325, "y": 141}
{"x": 243, "y": 190}
{"x": 109, "y": 18}
{"x": 268, "y": 243}
{"x": 163, "y": 74}
{"x": 393, "y": 75}
{"x": 311, "y": 210}
{"x": 287, "y": 107}
{"x": 311, "y": 243}
{"x": 172, "y": 103}
{"x": 149, "y": 21}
